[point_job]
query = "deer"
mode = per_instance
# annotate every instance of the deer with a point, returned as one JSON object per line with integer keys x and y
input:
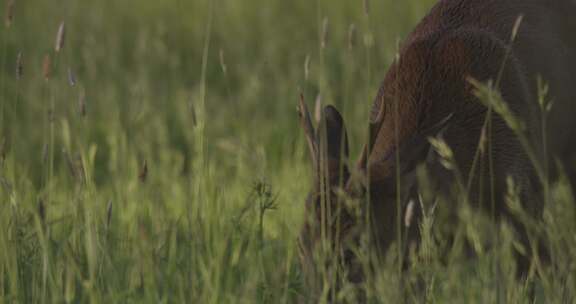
{"x": 428, "y": 92}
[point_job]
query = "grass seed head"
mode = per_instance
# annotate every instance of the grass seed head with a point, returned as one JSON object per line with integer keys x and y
{"x": 75, "y": 166}
{"x": 307, "y": 67}
{"x": 318, "y": 109}
{"x": 71, "y": 77}
{"x": 444, "y": 151}
{"x": 491, "y": 97}
{"x": 409, "y": 214}
{"x": 9, "y": 17}
{"x": 543, "y": 101}
{"x": 60, "y": 37}
{"x": 366, "y": 7}
{"x": 516, "y": 27}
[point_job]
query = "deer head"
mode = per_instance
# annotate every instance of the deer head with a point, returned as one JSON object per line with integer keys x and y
{"x": 327, "y": 220}
{"x": 339, "y": 200}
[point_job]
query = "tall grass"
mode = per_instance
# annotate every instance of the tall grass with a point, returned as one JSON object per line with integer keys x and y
{"x": 173, "y": 170}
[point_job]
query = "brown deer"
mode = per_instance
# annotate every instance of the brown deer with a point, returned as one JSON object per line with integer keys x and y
{"x": 428, "y": 92}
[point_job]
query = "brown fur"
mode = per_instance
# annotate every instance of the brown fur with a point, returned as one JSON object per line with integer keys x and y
{"x": 428, "y": 82}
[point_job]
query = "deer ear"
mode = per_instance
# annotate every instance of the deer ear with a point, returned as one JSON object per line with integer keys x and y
{"x": 336, "y": 136}
{"x": 335, "y": 151}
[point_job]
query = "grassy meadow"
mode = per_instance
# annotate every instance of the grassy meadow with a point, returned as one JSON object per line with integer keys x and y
{"x": 152, "y": 154}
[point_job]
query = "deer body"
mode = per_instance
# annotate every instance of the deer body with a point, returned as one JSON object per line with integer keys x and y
{"x": 429, "y": 85}
{"x": 461, "y": 39}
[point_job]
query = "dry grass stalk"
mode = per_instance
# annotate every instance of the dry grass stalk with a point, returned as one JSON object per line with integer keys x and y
{"x": 351, "y": 36}
{"x": 318, "y": 109}
{"x": 82, "y": 103}
{"x": 324, "y": 33}
{"x": 108, "y": 214}
{"x": 42, "y": 211}
{"x": 47, "y": 67}
{"x": 51, "y": 115}
{"x": 44, "y": 154}
{"x": 223, "y": 63}
{"x": 60, "y": 37}
{"x": 143, "y": 172}
{"x": 306, "y": 124}
{"x": 193, "y": 113}
{"x": 483, "y": 140}
{"x": 70, "y": 163}
{"x": 307, "y": 67}
{"x": 19, "y": 66}
{"x": 3, "y": 152}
